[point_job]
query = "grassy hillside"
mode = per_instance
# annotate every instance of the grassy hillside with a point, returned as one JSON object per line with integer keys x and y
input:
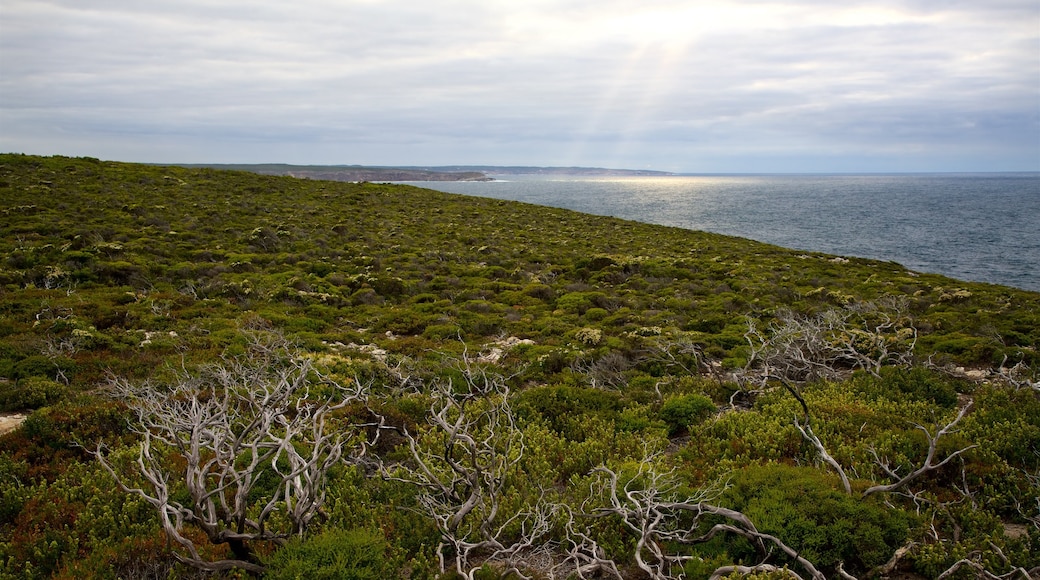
{"x": 647, "y": 351}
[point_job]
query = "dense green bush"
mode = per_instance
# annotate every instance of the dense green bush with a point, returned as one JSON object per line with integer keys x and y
{"x": 42, "y": 366}
{"x": 13, "y": 488}
{"x": 915, "y": 384}
{"x": 681, "y": 411}
{"x": 563, "y": 407}
{"x": 1008, "y": 422}
{"x": 814, "y": 516}
{"x": 30, "y": 393}
{"x": 357, "y": 554}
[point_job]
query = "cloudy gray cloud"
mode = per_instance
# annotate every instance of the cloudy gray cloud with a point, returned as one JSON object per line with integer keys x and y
{"x": 796, "y": 85}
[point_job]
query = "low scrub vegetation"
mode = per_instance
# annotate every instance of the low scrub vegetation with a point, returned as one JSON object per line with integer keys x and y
{"x": 229, "y": 374}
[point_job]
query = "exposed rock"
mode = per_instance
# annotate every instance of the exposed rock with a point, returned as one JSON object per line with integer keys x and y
{"x": 10, "y": 421}
{"x": 496, "y": 350}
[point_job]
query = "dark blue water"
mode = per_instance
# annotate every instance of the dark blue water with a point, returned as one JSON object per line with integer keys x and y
{"x": 979, "y": 227}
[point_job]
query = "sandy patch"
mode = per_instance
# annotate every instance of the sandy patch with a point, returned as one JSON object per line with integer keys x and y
{"x": 11, "y": 421}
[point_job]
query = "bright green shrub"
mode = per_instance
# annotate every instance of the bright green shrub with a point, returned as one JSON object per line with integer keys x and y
{"x": 335, "y": 554}
{"x": 808, "y": 511}
{"x": 1007, "y": 423}
{"x": 60, "y": 427}
{"x": 562, "y": 407}
{"x": 637, "y": 419}
{"x": 41, "y": 366}
{"x": 915, "y": 384}
{"x": 78, "y": 513}
{"x": 679, "y": 412}
{"x": 574, "y": 302}
{"x": 13, "y": 488}
{"x": 31, "y": 393}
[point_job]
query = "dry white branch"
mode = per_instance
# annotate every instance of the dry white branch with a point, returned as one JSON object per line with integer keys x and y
{"x": 583, "y": 557}
{"x": 726, "y": 571}
{"x": 1019, "y": 376}
{"x": 660, "y": 524}
{"x": 981, "y": 571}
{"x": 219, "y": 433}
{"x": 461, "y": 466}
{"x": 929, "y": 463}
{"x": 810, "y": 436}
{"x": 862, "y": 335}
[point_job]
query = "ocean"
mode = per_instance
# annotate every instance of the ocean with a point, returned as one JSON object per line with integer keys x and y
{"x": 983, "y": 227}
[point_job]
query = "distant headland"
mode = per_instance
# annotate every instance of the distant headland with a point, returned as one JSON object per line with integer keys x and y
{"x": 417, "y": 173}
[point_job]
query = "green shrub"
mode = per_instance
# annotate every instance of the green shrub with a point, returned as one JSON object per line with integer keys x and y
{"x": 334, "y": 555}
{"x": 574, "y": 302}
{"x": 13, "y": 488}
{"x": 6, "y": 368}
{"x": 805, "y": 509}
{"x": 31, "y": 393}
{"x": 75, "y": 421}
{"x": 562, "y": 407}
{"x": 540, "y": 291}
{"x": 41, "y": 366}
{"x": 441, "y": 332}
{"x": 681, "y": 411}
{"x": 1007, "y": 423}
{"x": 915, "y": 384}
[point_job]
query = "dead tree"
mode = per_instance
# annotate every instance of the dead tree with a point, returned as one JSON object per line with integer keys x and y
{"x": 1019, "y": 375}
{"x": 680, "y": 352}
{"x": 974, "y": 563}
{"x": 862, "y": 335}
{"x": 644, "y": 504}
{"x": 582, "y": 556}
{"x": 247, "y": 443}
{"x": 462, "y": 465}
{"x": 825, "y": 346}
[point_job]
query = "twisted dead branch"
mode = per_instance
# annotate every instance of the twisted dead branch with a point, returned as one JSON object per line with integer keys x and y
{"x": 825, "y": 346}
{"x": 223, "y": 435}
{"x": 660, "y": 524}
{"x": 461, "y": 466}
{"x": 928, "y": 464}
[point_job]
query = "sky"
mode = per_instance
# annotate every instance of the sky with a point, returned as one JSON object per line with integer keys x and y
{"x": 705, "y": 86}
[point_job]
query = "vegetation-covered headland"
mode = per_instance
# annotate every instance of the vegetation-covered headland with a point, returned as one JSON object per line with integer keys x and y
{"x": 234, "y": 374}
{"x": 352, "y": 172}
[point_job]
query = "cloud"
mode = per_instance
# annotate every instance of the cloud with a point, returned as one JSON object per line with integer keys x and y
{"x": 677, "y": 84}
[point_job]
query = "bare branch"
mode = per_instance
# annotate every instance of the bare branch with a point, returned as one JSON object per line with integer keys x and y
{"x": 982, "y": 572}
{"x": 227, "y": 428}
{"x": 1019, "y": 376}
{"x": 583, "y": 555}
{"x": 808, "y": 435}
{"x": 726, "y": 571}
{"x": 929, "y": 463}
{"x": 461, "y": 466}
{"x": 862, "y": 335}
{"x": 642, "y": 504}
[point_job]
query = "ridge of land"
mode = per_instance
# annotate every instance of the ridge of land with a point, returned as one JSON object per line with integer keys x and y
{"x": 415, "y": 173}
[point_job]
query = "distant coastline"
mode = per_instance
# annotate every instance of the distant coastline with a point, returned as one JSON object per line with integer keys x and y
{"x": 534, "y": 170}
{"x": 417, "y": 173}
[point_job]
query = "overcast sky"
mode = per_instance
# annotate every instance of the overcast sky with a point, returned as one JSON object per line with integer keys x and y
{"x": 676, "y": 85}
